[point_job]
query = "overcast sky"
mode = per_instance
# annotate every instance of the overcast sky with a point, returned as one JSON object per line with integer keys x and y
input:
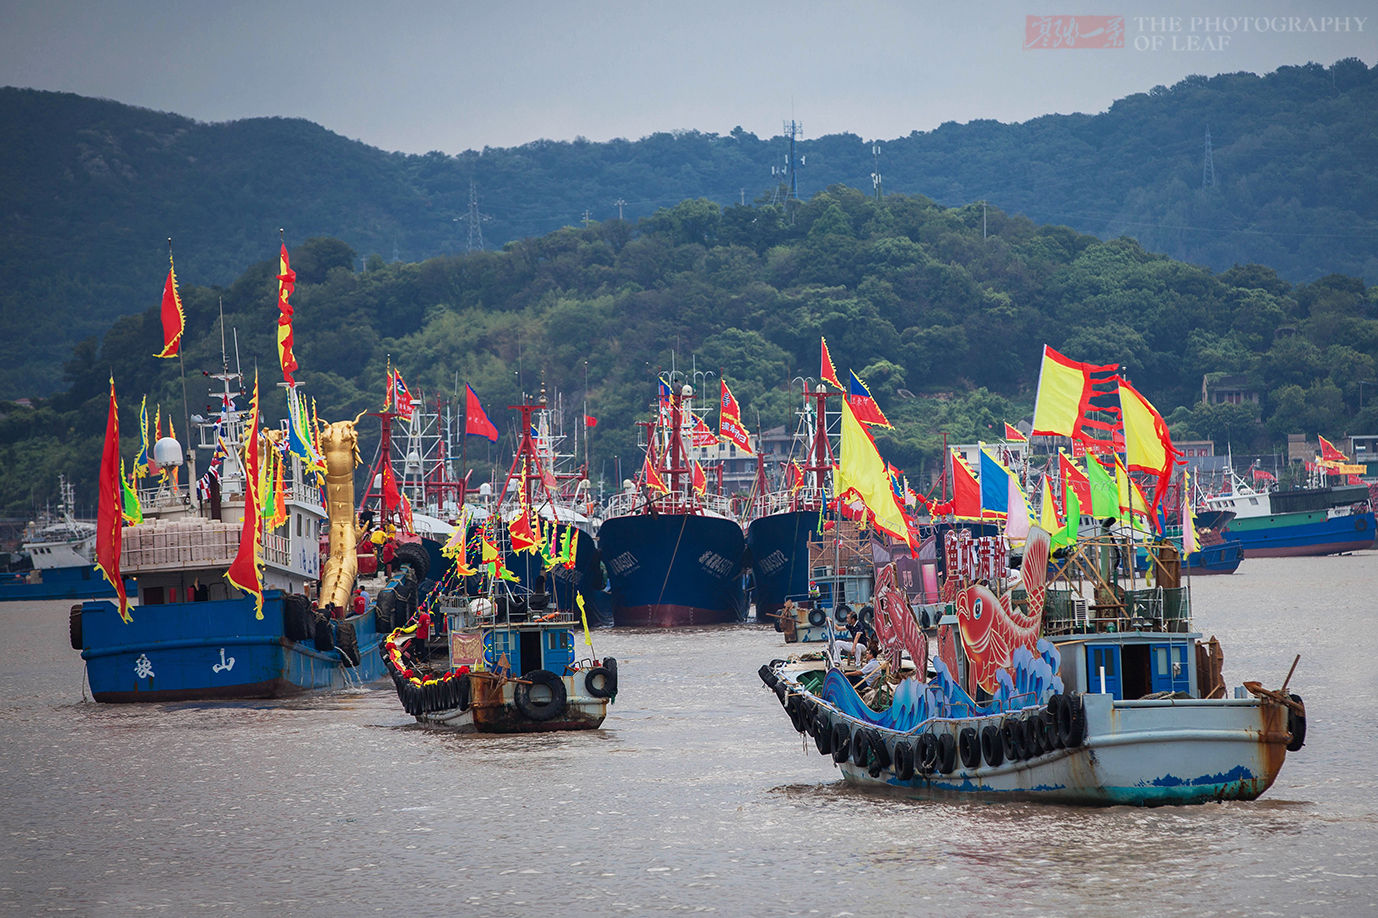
{"x": 423, "y": 76}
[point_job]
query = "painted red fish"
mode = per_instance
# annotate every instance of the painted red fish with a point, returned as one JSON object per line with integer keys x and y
{"x": 992, "y": 628}
{"x": 896, "y": 626}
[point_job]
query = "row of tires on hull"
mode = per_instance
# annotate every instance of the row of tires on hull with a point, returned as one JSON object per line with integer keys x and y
{"x": 1014, "y": 737}
{"x": 452, "y": 691}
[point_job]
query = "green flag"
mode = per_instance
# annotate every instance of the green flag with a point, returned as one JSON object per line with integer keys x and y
{"x": 1105, "y": 495}
{"x": 1067, "y": 535}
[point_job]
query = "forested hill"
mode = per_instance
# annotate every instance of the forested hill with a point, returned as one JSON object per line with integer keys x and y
{"x": 943, "y": 312}
{"x": 91, "y": 189}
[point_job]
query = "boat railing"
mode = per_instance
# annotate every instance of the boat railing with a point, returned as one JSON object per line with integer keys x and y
{"x": 1090, "y": 591}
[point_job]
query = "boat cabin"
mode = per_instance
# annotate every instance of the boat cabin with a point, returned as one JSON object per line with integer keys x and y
{"x": 1129, "y": 666}
{"x": 485, "y": 637}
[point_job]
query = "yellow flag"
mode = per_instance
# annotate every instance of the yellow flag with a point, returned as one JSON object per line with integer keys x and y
{"x": 583, "y": 617}
{"x": 1048, "y": 516}
{"x": 860, "y": 469}
{"x": 1147, "y": 444}
{"x": 1063, "y": 387}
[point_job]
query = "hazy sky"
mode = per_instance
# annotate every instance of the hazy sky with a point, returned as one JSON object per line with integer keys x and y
{"x": 453, "y": 76}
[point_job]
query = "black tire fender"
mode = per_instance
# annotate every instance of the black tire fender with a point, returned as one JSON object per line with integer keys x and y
{"x": 926, "y": 758}
{"x": 1012, "y": 739}
{"x": 905, "y": 754}
{"x": 817, "y": 618}
{"x": 74, "y": 626}
{"x": 969, "y": 747}
{"x": 1296, "y": 726}
{"x": 347, "y": 643}
{"x": 540, "y": 710}
{"x": 1071, "y": 721}
{"x": 992, "y": 746}
{"x": 601, "y": 682}
{"x": 823, "y": 731}
{"x": 947, "y": 754}
{"x": 842, "y": 741}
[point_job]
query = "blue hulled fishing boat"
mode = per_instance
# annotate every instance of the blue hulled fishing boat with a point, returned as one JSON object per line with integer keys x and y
{"x": 191, "y": 634}
{"x": 673, "y": 554}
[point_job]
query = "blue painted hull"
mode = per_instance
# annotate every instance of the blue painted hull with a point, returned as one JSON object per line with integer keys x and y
{"x": 1221, "y": 558}
{"x": 779, "y": 545}
{"x": 1283, "y": 535}
{"x": 59, "y": 583}
{"x": 213, "y": 650}
{"x": 668, "y": 570}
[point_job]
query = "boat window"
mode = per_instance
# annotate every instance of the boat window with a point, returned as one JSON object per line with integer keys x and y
{"x": 1253, "y": 501}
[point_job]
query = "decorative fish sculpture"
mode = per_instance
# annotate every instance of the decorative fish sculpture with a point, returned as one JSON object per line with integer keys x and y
{"x": 896, "y": 626}
{"x": 992, "y": 628}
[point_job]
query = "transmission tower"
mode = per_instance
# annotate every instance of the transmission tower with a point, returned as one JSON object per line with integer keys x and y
{"x": 475, "y": 221}
{"x": 875, "y": 170}
{"x": 620, "y": 204}
{"x": 1208, "y": 165}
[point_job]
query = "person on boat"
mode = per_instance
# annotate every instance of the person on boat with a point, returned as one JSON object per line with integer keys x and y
{"x": 363, "y": 594}
{"x": 390, "y": 557}
{"x": 333, "y": 611}
{"x": 360, "y": 604}
{"x": 377, "y": 538}
{"x": 857, "y": 632}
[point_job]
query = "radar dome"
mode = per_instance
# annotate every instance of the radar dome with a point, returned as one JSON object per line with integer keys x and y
{"x": 167, "y": 452}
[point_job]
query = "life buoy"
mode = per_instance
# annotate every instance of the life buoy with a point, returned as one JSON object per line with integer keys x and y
{"x": 817, "y": 618}
{"x": 969, "y": 747}
{"x": 540, "y": 709}
{"x": 904, "y": 759}
{"x": 1071, "y": 721}
{"x": 1296, "y": 725}
{"x": 992, "y": 746}
{"x": 842, "y": 741}
{"x": 947, "y": 754}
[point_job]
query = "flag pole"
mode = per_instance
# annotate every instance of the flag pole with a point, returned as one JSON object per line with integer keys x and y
{"x": 186, "y": 409}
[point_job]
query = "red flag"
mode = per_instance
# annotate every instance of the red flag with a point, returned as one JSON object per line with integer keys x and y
{"x": 391, "y": 498}
{"x": 1329, "y": 453}
{"x": 287, "y": 282}
{"x": 651, "y": 477}
{"x": 966, "y": 490}
{"x": 590, "y": 421}
{"x": 401, "y": 397}
{"x": 700, "y": 479}
{"x": 701, "y": 434}
{"x": 173, "y": 318}
{"x": 825, "y": 370}
{"x": 863, "y": 405}
{"x": 794, "y": 476}
{"x": 730, "y": 422}
{"x": 109, "y": 519}
{"x": 1076, "y": 479}
{"x": 244, "y": 570}
{"x": 1012, "y": 434}
{"x": 523, "y": 538}
{"x": 476, "y": 423}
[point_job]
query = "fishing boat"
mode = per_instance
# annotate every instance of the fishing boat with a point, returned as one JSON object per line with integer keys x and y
{"x": 840, "y": 582}
{"x": 191, "y": 634}
{"x": 783, "y": 523}
{"x": 673, "y": 556}
{"x": 1068, "y": 687}
{"x": 61, "y": 555}
{"x": 511, "y": 665}
{"x": 1325, "y": 520}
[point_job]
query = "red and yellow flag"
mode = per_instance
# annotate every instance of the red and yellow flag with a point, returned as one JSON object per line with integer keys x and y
{"x": 287, "y": 282}
{"x": 173, "y": 318}
{"x": 522, "y": 536}
{"x": 109, "y": 515}
{"x": 730, "y": 422}
{"x": 826, "y": 372}
{"x": 652, "y": 477}
{"x": 700, "y": 479}
{"x": 244, "y": 571}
